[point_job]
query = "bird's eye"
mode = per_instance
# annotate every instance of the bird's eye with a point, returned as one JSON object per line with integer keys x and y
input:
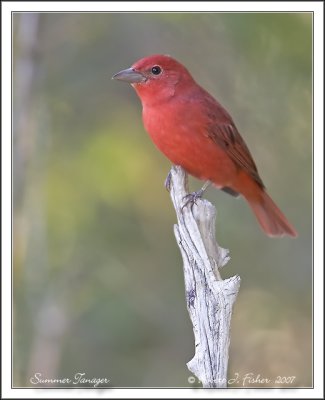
{"x": 156, "y": 70}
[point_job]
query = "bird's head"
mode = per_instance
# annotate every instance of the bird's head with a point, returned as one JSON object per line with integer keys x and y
{"x": 156, "y": 78}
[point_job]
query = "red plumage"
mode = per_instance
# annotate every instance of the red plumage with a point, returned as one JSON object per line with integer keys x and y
{"x": 194, "y": 131}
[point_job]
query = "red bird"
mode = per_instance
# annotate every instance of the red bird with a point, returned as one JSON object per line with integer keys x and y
{"x": 194, "y": 131}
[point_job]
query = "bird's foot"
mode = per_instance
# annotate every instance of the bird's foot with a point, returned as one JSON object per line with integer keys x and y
{"x": 192, "y": 198}
{"x": 168, "y": 181}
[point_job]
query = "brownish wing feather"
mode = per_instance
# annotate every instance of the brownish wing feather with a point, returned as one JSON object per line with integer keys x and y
{"x": 227, "y": 136}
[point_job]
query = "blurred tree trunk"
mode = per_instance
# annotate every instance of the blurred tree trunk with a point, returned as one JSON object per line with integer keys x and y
{"x": 25, "y": 68}
{"x": 32, "y": 289}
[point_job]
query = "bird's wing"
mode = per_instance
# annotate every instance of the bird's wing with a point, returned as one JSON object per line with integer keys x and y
{"x": 227, "y": 136}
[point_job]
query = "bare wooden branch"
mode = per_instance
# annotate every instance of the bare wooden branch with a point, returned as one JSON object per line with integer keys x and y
{"x": 209, "y": 298}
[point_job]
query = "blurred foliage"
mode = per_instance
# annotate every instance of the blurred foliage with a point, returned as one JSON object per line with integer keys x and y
{"x": 98, "y": 282}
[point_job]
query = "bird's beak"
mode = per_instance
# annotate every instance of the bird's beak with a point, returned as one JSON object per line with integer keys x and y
{"x": 130, "y": 75}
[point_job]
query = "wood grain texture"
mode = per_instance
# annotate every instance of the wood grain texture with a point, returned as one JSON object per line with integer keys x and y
{"x": 209, "y": 299}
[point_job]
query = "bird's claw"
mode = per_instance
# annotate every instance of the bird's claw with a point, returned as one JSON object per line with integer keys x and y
{"x": 168, "y": 181}
{"x": 192, "y": 198}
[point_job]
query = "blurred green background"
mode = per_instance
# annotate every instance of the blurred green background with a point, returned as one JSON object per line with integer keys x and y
{"x": 97, "y": 275}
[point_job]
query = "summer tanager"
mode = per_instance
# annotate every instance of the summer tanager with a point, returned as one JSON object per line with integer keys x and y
{"x": 194, "y": 131}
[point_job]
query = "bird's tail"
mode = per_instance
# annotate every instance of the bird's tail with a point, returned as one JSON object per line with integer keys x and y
{"x": 271, "y": 219}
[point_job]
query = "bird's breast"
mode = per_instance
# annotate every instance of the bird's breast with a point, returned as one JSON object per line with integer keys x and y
{"x": 179, "y": 132}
